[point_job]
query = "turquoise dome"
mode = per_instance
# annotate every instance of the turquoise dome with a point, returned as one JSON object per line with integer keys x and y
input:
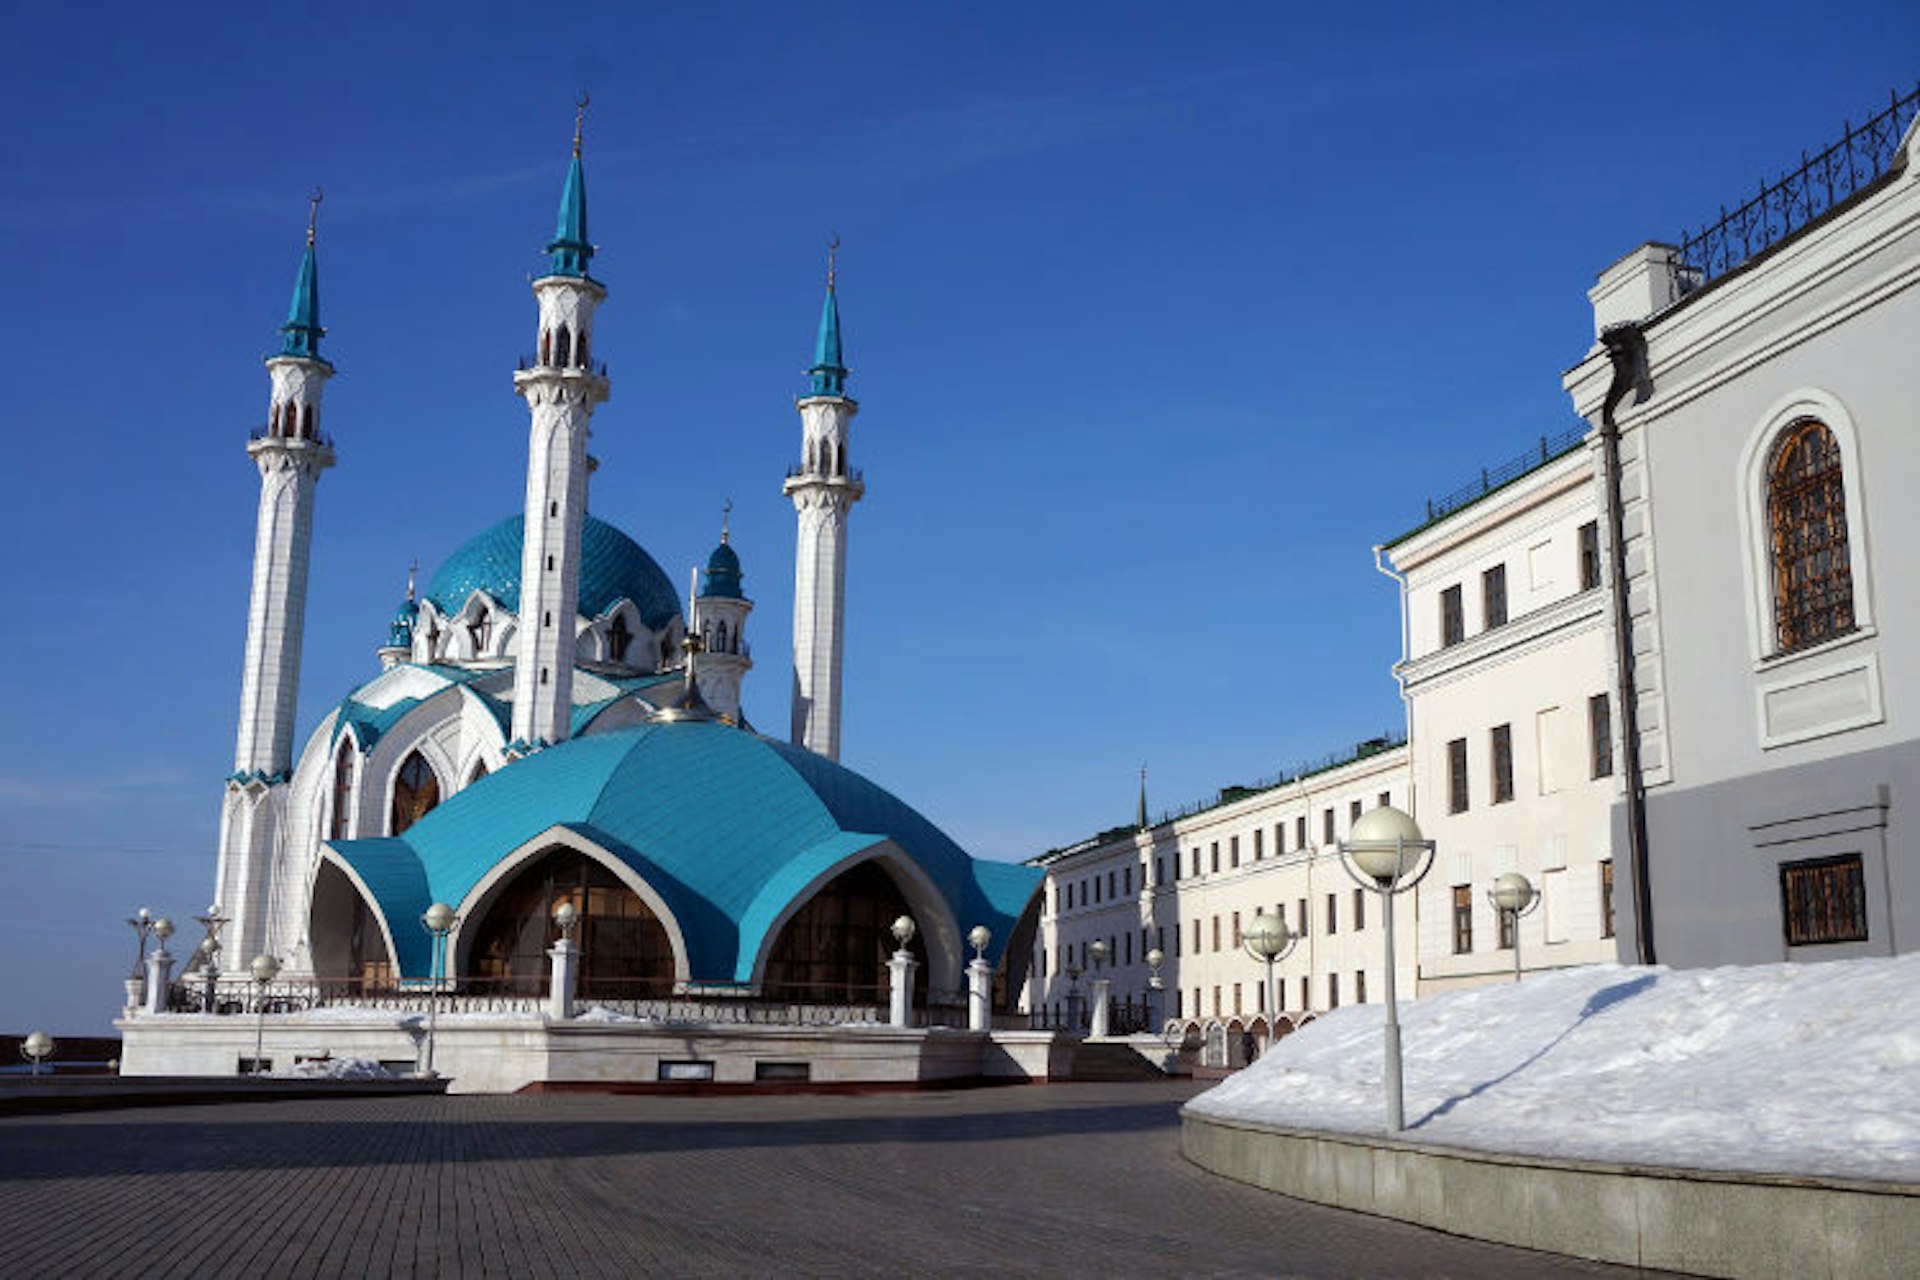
{"x": 729, "y": 827}
{"x": 723, "y": 574}
{"x": 613, "y": 568}
{"x": 400, "y": 631}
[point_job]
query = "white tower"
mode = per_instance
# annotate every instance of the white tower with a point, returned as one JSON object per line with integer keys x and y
{"x": 291, "y": 453}
{"x": 561, "y": 389}
{"x": 722, "y": 612}
{"x": 823, "y": 488}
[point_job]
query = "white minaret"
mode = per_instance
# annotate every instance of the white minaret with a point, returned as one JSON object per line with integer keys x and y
{"x": 823, "y": 488}
{"x": 561, "y": 390}
{"x": 722, "y": 612}
{"x": 291, "y": 453}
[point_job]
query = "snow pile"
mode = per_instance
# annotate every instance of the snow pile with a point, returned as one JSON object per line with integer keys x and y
{"x": 335, "y": 1069}
{"x": 1783, "y": 1068}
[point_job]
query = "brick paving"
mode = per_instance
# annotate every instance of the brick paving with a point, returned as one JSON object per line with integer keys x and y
{"x": 1040, "y": 1180}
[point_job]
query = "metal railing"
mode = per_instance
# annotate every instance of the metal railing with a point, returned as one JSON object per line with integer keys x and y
{"x": 800, "y": 470}
{"x": 529, "y": 362}
{"x": 1495, "y": 477}
{"x": 1801, "y": 196}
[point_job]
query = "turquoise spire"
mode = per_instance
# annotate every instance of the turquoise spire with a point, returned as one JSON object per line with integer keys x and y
{"x": 828, "y": 373}
{"x": 303, "y": 315}
{"x": 570, "y": 249}
{"x": 723, "y": 566}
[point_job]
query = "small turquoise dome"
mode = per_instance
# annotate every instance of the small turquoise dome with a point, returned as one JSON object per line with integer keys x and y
{"x": 613, "y": 568}
{"x": 723, "y": 574}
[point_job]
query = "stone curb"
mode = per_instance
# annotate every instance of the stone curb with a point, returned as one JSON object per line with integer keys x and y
{"x": 107, "y": 1093}
{"x": 1703, "y": 1222}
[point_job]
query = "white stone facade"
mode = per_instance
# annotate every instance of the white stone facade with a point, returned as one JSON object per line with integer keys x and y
{"x": 1511, "y": 726}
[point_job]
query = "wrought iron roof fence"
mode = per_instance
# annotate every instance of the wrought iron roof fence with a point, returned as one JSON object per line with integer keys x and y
{"x": 1799, "y": 197}
{"x": 1491, "y": 478}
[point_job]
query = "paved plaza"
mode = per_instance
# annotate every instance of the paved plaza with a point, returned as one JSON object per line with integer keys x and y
{"x": 1032, "y": 1180}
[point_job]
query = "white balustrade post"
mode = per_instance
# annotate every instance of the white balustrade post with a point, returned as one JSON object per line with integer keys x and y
{"x": 566, "y": 973}
{"x": 979, "y": 996}
{"x": 1102, "y": 995}
{"x": 159, "y": 978}
{"x": 900, "y": 1006}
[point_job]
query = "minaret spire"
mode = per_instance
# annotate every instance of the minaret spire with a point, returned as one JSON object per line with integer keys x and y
{"x": 823, "y": 488}
{"x": 561, "y": 389}
{"x": 1140, "y": 818}
{"x": 290, "y": 453}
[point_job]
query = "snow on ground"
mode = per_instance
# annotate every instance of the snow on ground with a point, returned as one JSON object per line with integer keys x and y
{"x": 1782, "y": 1068}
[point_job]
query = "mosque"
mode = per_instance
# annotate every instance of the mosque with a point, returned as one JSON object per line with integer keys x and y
{"x": 550, "y": 726}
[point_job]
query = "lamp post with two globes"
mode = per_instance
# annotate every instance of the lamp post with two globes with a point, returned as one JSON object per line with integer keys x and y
{"x": 1386, "y": 854}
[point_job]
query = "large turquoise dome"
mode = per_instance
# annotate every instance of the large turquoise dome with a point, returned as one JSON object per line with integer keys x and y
{"x": 613, "y": 568}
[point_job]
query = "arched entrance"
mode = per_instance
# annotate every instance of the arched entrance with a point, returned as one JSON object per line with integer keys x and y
{"x": 835, "y": 948}
{"x": 624, "y": 950}
{"x": 349, "y": 947}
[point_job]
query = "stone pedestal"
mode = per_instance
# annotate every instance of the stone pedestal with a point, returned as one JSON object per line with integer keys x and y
{"x": 159, "y": 978}
{"x": 566, "y": 974}
{"x": 1102, "y": 993}
{"x": 900, "y": 1003}
{"x": 136, "y": 995}
{"x": 979, "y": 996}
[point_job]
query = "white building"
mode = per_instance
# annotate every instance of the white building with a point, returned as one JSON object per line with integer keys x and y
{"x": 1188, "y": 886}
{"x": 1758, "y": 380}
{"x": 1510, "y": 718}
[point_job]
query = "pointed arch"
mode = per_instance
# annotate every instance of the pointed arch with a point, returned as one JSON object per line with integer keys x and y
{"x": 562, "y": 347}
{"x": 340, "y": 812}
{"x": 306, "y": 424}
{"x": 416, "y": 790}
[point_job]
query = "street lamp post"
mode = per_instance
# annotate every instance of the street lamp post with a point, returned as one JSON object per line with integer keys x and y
{"x": 142, "y": 922}
{"x": 1101, "y": 1021}
{"x": 1155, "y": 985}
{"x": 438, "y": 920}
{"x": 1268, "y": 938}
{"x": 209, "y": 950}
{"x": 37, "y": 1048}
{"x": 265, "y": 969}
{"x": 1385, "y": 854}
{"x": 979, "y": 980}
{"x": 1513, "y": 896}
{"x": 900, "y": 974}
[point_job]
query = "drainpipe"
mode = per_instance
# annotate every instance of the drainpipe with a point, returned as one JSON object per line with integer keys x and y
{"x": 1385, "y": 566}
{"x": 1626, "y": 348}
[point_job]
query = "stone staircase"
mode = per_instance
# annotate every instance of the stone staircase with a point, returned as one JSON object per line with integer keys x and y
{"x": 1114, "y": 1060}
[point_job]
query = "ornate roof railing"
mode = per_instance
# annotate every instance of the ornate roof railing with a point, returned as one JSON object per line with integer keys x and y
{"x": 1503, "y": 474}
{"x": 1801, "y": 196}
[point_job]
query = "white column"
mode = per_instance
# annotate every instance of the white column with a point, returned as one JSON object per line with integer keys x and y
{"x": 1102, "y": 992}
{"x": 566, "y": 973}
{"x": 900, "y": 1005}
{"x": 979, "y": 995}
{"x": 823, "y": 490}
{"x": 159, "y": 976}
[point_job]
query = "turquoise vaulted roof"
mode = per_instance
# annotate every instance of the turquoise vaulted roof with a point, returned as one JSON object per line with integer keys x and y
{"x": 613, "y": 567}
{"x": 728, "y": 827}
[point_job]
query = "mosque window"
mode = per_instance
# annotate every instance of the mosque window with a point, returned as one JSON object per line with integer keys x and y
{"x": 624, "y": 949}
{"x": 306, "y": 427}
{"x": 1807, "y": 530}
{"x": 416, "y": 789}
{"x": 480, "y": 631}
{"x": 618, "y": 638}
{"x": 342, "y": 792}
{"x": 562, "y": 347}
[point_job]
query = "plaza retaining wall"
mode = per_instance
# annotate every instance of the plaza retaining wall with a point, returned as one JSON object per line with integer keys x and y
{"x": 1698, "y": 1221}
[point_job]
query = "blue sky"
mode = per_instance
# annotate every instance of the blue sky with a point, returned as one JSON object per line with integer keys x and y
{"x": 1160, "y": 317}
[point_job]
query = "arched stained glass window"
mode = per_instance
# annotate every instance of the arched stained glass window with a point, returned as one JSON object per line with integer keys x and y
{"x": 416, "y": 789}
{"x": 342, "y": 792}
{"x": 1807, "y": 538}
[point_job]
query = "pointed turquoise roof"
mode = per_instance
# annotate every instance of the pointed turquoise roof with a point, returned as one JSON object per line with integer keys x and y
{"x": 570, "y": 249}
{"x": 303, "y": 314}
{"x": 828, "y": 373}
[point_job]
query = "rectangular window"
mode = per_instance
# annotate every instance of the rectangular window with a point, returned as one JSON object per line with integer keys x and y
{"x": 1126, "y": 879}
{"x": 1233, "y": 850}
{"x": 1824, "y": 900}
{"x": 1493, "y": 596}
{"x": 1505, "y": 920}
{"x": 1236, "y": 998}
{"x": 1160, "y": 938}
{"x": 1279, "y": 838}
{"x": 1216, "y": 933}
{"x": 1196, "y": 861}
{"x": 1359, "y": 908}
{"x": 1300, "y": 832}
{"x": 1333, "y": 991}
{"x": 1386, "y": 798}
{"x": 1462, "y": 919}
{"x": 1326, "y": 825}
{"x": 1096, "y": 888}
{"x": 1214, "y": 852}
{"x": 1360, "y": 987}
{"x": 1333, "y": 914}
{"x": 1179, "y": 998}
{"x": 1159, "y": 870}
{"x": 1600, "y": 734}
{"x": 1457, "y": 776}
{"x": 1236, "y": 931}
{"x": 1353, "y": 811}
{"x": 1306, "y": 993}
{"x": 1589, "y": 555}
{"x": 1501, "y": 745}
{"x": 1216, "y": 1001}
{"x": 1110, "y": 892}
{"x": 1259, "y": 851}
{"x": 1606, "y": 898}
{"x": 1129, "y": 948}
{"x": 1043, "y": 962}
{"x": 1196, "y": 936}
{"x": 1302, "y": 916}
{"x": 1259, "y": 997}
{"x": 1453, "y": 622}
